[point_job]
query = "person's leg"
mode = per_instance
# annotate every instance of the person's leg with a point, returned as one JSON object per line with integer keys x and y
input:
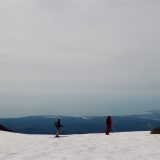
{"x": 108, "y": 130}
{"x": 57, "y": 132}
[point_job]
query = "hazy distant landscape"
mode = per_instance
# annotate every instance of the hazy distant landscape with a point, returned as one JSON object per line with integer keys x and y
{"x": 79, "y": 125}
{"x": 80, "y": 62}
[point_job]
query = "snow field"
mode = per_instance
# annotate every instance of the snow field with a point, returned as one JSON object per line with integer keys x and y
{"x": 117, "y": 146}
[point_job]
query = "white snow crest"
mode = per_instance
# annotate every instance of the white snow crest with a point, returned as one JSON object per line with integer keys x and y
{"x": 117, "y": 146}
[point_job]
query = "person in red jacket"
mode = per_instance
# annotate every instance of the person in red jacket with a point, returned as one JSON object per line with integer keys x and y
{"x": 109, "y": 124}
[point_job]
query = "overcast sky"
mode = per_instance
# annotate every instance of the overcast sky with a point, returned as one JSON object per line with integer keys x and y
{"x": 79, "y": 57}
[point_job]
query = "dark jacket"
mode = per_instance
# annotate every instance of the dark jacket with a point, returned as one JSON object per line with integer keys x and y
{"x": 58, "y": 124}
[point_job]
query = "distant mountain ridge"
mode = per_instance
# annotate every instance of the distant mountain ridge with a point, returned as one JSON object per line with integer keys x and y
{"x": 3, "y": 128}
{"x": 44, "y": 124}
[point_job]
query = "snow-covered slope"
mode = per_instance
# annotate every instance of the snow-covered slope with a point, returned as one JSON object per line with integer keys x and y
{"x": 117, "y": 146}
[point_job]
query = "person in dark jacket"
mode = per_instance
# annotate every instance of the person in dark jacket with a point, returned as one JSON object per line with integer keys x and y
{"x": 109, "y": 124}
{"x": 58, "y": 127}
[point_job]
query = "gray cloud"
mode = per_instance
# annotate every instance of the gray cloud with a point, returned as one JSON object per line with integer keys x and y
{"x": 75, "y": 57}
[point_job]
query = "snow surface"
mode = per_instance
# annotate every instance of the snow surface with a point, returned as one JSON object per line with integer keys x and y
{"x": 117, "y": 146}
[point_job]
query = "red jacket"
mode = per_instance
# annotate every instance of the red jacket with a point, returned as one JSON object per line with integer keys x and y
{"x": 109, "y": 121}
